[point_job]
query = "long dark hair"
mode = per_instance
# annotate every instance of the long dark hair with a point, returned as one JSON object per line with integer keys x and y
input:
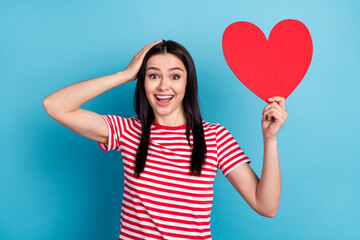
{"x": 190, "y": 104}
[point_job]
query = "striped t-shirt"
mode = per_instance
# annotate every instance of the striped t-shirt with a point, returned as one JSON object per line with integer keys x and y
{"x": 166, "y": 202}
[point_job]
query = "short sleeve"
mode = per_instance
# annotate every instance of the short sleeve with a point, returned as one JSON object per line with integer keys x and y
{"x": 229, "y": 153}
{"x": 116, "y": 126}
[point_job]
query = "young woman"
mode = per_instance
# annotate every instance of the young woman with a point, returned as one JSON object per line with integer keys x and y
{"x": 170, "y": 154}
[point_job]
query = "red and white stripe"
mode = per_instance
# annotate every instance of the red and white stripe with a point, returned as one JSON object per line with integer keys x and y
{"x": 166, "y": 202}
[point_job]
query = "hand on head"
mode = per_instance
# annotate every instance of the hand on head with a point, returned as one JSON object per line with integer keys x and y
{"x": 134, "y": 66}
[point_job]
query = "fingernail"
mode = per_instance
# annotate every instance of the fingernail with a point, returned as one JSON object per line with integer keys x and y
{"x": 269, "y": 99}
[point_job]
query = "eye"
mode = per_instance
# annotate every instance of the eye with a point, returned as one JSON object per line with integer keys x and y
{"x": 176, "y": 77}
{"x": 152, "y": 76}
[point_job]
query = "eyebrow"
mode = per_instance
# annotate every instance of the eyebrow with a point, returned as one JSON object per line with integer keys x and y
{"x": 174, "y": 68}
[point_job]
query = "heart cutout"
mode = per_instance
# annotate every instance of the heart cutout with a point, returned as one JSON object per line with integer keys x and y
{"x": 273, "y": 67}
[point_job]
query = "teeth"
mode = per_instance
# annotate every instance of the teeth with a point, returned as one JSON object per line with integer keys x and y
{"x": 164, "y": 97}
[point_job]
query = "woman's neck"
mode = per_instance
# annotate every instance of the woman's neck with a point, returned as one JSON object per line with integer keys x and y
{"x": 171, "y": 121}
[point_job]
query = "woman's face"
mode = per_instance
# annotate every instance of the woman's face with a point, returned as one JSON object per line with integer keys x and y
{"x": 165, "y": 82}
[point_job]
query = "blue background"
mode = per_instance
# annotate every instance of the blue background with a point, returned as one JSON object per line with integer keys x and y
{"x": 55, "y": 184}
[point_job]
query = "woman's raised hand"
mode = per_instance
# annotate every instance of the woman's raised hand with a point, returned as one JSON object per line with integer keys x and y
{"x": 134, "y": 66}
{"x": 274, "y": 116}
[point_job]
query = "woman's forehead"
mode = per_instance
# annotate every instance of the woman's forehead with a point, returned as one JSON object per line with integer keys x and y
{"x": 167, "y": 60}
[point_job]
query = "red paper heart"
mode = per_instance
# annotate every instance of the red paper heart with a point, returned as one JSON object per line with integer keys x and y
{"x": 268, "y": 68}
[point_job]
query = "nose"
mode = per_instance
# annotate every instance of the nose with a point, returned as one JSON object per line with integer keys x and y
{"x": 163, "y": 84}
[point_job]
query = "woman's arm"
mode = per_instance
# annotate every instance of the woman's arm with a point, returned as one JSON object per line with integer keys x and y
{"x": 70, "y": 98}
{"x": 269, "y": 187}
{"x": 263, "y": 194}
{"x": 64, "y": 104}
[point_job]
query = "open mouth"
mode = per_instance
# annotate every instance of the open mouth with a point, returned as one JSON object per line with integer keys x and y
{"x": 164, "y": 99}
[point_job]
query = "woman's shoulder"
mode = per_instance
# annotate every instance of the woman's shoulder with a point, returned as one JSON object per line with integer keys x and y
{"x": 123, "y": 120}
{"x": 133, "y": 118}
{"x": 213, "y": 126}
{"x": 210, "y": 125}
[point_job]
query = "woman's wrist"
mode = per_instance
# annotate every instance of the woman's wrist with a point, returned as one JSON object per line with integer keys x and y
{"x": 121, "y": 78}
{"x": 270, "y": 140}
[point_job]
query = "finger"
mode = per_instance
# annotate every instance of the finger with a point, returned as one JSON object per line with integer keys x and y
{"x": 144, "y": 50}
{"x": 273, "y": 105}
{"x": 270, "y": 105}
{"x": 279, "y": 99}
{"x": 147, "y": 47}
{"x": 150, "y": 45}
{"x": 273, "y": 113}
